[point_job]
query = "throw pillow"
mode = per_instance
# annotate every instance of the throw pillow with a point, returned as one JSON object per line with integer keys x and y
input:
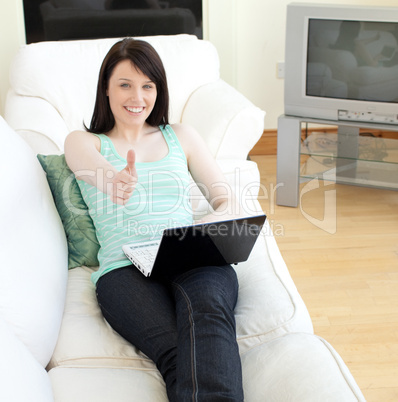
{"x": 82, "y": 241}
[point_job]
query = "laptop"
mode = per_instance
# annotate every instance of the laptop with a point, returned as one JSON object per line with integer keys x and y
{"x": 187, "y": 247}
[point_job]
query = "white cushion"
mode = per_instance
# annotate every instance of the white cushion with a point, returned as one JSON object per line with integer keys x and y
{"x": 33, "y": 252}
{"x": 297, "y": 367}
{"x": 23, "y": 379}
{"x": 107, "y": 384}
{"x": 85, "y": 338}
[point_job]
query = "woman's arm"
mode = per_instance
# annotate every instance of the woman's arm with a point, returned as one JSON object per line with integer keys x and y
{"x": 208, "y": 175}
{"x": 82, "y": 154}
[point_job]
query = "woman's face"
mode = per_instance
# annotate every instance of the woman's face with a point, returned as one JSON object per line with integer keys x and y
{"x": 132, "y": 95}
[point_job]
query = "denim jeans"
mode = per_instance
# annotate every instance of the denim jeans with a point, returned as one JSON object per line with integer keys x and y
{"x": 185, "y": 324}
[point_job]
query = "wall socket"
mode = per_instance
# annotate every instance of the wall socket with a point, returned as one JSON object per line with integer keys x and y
{"x": 280, "y": 69}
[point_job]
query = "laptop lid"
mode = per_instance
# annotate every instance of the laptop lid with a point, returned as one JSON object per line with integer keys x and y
{"x": 207, "y": 244}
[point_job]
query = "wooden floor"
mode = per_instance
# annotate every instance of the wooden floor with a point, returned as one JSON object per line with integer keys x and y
{"x": 344, "y": 261}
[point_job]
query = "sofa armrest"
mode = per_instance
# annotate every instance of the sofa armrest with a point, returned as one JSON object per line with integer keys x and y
{"x": 45, "y": 130}
{"x": 230, "y": 124}
{"x": 33, "y": 251}
{"x": 17, "y": 367}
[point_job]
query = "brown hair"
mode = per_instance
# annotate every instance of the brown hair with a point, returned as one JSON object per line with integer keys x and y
{"x": 145, "y": 58}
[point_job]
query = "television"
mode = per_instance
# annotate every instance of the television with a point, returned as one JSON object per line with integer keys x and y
{"x": 341, "y": 63}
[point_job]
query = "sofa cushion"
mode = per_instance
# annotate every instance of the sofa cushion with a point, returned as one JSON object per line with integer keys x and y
{"x": 22, "y": 377}
{"x": 83, "y": 244}
{"x": 104, "y": 384}
{"x": 297, "y": 367}
{"x": 33, "y": 265}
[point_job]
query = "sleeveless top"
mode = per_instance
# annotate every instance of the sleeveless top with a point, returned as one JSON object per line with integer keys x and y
{"x": 161, "y": 199}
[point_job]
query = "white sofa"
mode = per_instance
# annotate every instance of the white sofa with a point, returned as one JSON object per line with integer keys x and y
{"x": 55, "y": 344}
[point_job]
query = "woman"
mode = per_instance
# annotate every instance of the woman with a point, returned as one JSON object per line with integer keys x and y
{"x": 133, "y": 170}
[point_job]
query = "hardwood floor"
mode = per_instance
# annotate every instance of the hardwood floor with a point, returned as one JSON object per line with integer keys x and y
{"x": 344, "y": 261}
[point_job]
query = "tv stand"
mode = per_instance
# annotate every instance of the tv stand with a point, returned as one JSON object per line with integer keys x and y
{"x": 345, "y": 158}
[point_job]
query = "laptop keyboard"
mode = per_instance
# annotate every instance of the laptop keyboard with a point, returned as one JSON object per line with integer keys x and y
{"x": 145, "y": 254}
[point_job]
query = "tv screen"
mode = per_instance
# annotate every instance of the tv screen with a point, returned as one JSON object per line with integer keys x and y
{"x": 341, "y": 62}
{"x": 351, "y": 59}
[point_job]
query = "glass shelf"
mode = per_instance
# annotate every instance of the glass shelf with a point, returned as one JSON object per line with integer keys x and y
{"x": 376, "y": 164}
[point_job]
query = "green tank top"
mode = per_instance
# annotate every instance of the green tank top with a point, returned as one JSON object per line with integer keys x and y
{"x": 161, "y": 199}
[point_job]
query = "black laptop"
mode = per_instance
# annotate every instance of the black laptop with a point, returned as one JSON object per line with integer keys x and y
{"x": 187, "y": 247}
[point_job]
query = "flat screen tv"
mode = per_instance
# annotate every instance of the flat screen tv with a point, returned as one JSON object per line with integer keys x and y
{"x": 341, "y": 63}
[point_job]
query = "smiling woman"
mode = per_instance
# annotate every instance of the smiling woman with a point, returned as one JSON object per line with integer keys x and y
{"x": 134, "y": 169}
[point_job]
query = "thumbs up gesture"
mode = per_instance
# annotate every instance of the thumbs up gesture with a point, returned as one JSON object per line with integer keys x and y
{"x": 124, "y": 182}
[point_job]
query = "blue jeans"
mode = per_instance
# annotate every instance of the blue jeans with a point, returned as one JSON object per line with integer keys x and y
{"x": 185, "y": 324}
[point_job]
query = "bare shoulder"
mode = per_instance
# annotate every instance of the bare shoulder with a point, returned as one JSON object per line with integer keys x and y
{"x": 194, "y": 146}
{"x": 82, "y": 138}
{"x": 183, "y": 129}
{"x": 187, "y": 135}
{"x": 80, "y": 135}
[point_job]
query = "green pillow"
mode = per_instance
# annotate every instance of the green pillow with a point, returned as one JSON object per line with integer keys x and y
{"x": 83, "y": 244}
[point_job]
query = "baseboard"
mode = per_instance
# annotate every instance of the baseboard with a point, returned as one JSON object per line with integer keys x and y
{"x": 266, "y": 145}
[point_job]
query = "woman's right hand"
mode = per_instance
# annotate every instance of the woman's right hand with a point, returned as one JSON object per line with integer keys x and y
{"x": 124, "y": 182}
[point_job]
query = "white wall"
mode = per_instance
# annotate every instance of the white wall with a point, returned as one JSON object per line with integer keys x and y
{"x": 12, "y": 36}
{"x": 249, "y": 36}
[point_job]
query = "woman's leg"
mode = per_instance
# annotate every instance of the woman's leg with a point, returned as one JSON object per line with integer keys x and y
{"x": 208, "y": 361}
{"x": 142, "y": 311}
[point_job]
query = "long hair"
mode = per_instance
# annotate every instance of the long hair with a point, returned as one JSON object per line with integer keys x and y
{"x": 145, "y": 58}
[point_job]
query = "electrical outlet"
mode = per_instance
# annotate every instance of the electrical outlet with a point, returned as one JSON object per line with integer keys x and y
{"x": 280, "y": 69}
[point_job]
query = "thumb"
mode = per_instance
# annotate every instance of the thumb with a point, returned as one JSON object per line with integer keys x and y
{"x": 130, "y": 160}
